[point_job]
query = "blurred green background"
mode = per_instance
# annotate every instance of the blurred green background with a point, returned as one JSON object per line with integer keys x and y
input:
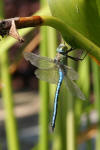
{"x": 26, "y": 104}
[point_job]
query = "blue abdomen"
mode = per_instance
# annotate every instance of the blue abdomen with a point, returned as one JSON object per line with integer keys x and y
{"x": 61, "y": 76}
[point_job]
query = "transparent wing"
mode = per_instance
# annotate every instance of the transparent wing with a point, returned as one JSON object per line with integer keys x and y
{"x": 71, "y": 73}
{"x": 46, "y": 63}
{"x": 39, "y": 61}
{"x": 73, "y": 88}
{"x": 48, "y": 75}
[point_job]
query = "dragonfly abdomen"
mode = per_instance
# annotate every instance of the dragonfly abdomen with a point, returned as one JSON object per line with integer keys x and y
{"x": 61, "y": 76}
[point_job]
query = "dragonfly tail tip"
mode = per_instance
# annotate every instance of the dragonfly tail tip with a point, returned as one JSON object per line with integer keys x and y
{"x": 52, "y": 127}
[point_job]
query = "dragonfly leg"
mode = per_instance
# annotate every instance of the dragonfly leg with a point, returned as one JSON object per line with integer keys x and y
{"x": 74, "y": 58}
{"x": 71, "y": 49}
{"x": 77, "y": 58}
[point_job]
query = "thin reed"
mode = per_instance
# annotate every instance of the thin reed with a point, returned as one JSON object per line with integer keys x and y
{"x": 70, "y": 109}
{"x": 44, "y": 94}
{"x": 7, "y": 96}
{"x": 96, "y": 89}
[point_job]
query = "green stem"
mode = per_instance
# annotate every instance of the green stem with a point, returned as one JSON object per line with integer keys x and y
{"x": 52, "y": 45}
{"x": 7, "y": 42}
{"x": 44, "y": 94}
{"x": 96, "y": 78}
{"x": 1, "y": 17}
{"x": 44, "y": 99}
{"x": 70, "y": 117}
{"x": 70, "y": 123}
{"x": 71, "y": 36}
{"x": 84, "y": 73}
{"x": 1, "y": 9}
{"x": 7, "y": 96}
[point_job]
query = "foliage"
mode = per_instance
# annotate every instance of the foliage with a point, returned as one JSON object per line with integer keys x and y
{"x": 80, "y": 29}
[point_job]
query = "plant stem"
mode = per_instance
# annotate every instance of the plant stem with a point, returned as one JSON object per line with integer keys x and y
{"x": 7, "y": 42}
{"x": 71, "y": 36}
{"x": 84, "y": 73}
{"x": 52, "y": 45}
{"x": 70, "y": 123}
{"x": 96, "y": 81}
{"x": 70, "y": 116}
{"x": 1, "y": 9}
{"x": 1, "y": 17}
{"x": 44, "y": 93}
{"x": 7, "y": 95}
{"x": 44, "y": 98}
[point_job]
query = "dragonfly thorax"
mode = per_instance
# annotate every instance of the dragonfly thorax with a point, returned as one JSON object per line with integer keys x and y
{"x": 60, "y": 59}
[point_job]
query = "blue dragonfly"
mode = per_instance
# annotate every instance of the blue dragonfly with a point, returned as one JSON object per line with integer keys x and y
{"x": 55, "y": 71}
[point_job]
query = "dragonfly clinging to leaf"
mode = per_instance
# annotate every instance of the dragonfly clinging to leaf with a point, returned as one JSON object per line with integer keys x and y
{"x": 55, "y": 71}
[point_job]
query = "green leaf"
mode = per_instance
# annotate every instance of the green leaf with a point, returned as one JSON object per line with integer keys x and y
{"x": 81, "y": 15}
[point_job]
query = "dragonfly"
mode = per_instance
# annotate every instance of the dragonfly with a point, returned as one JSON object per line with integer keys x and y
{"x": 56, "y": 71}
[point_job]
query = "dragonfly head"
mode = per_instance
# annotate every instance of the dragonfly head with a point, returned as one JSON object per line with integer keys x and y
{"x": 62, "y": 49}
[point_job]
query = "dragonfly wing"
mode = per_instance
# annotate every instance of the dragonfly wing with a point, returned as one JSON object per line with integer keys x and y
{"x": 73, "y": 88}
{"x": 48, "y": 75}
{"x": 39, "y": 61}
{"x": 71, "y": 73}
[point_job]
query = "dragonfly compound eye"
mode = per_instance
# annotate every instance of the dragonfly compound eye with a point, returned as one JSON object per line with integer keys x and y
{"x": 62, "y": 49}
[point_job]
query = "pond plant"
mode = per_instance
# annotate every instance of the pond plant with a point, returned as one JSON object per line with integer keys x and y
{"x": 80, "y": 30}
